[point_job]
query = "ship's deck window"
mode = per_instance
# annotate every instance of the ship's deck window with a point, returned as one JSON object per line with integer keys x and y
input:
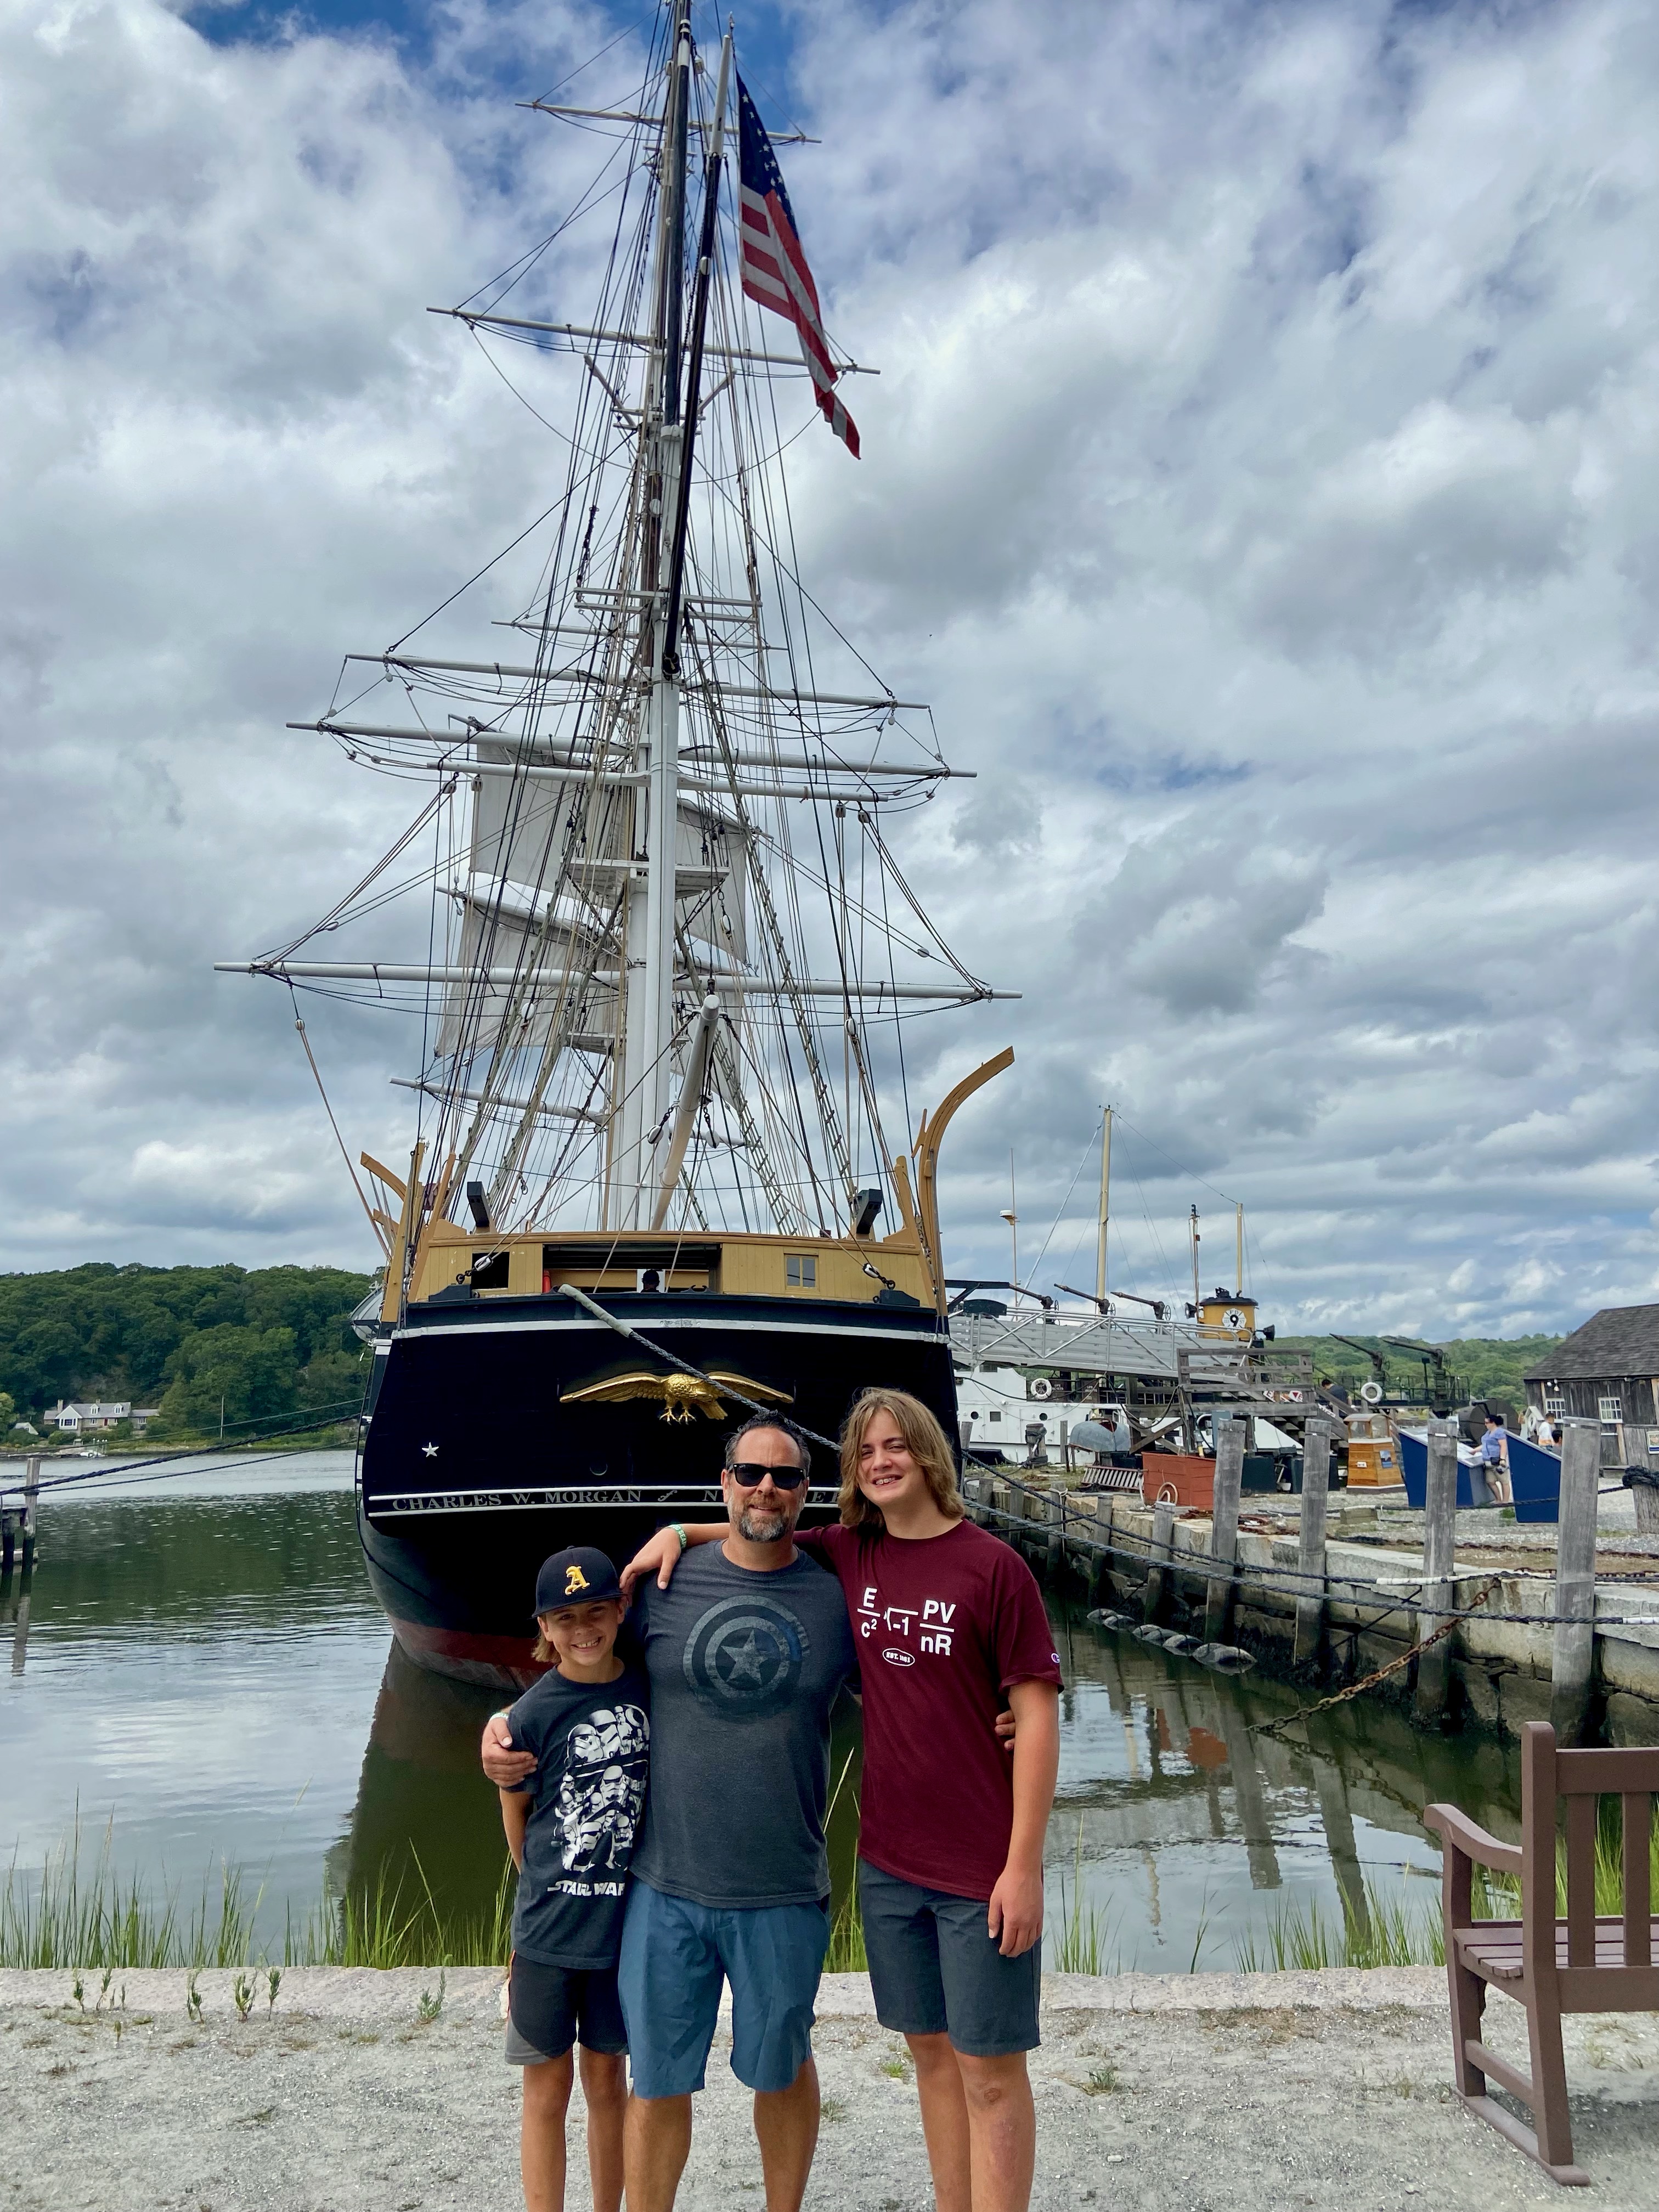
{"x": 800, "y": 1270}
{"x": 489, "y": 1271}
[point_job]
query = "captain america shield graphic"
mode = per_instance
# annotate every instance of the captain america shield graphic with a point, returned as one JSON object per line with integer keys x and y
{"x": 745, "y": 1655}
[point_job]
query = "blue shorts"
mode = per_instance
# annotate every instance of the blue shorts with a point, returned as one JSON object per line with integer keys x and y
{"x": 675, "y": 1954}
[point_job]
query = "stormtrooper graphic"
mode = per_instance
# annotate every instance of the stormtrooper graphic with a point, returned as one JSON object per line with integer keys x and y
{"x": 601, "y": 1790}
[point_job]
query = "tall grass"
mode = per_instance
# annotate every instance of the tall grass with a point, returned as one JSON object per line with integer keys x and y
{"x": 1078, "y": 1944}
{"x": 846, "y": 1954}
{"x": 1303, "y": 1935}
{"x": 73, "y": 1918}
{"x": 79, "y": 1916}
{"x": 1389, "y": 1932}
{"x": 1498, "y": 1896}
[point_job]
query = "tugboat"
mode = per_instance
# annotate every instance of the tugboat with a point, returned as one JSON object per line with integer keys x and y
{"x": 657, "y": 941}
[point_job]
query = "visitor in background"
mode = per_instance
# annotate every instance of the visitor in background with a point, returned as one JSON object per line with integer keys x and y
{"x": 1493, "y": 1463}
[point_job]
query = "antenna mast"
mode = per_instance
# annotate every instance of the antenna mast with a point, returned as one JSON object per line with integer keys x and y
{"x": 1105, "y": 1202}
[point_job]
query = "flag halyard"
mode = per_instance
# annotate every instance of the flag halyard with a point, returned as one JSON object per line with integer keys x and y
{"x": 773, "y": 264}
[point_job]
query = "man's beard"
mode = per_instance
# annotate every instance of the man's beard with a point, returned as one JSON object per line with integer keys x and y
{"x": 757, "y": 1526}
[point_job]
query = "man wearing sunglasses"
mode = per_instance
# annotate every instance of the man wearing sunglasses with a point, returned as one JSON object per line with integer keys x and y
{"x": 746, "y": 1651}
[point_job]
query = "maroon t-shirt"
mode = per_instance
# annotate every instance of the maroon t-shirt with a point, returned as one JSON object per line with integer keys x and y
{"x": 944, "y": 1624}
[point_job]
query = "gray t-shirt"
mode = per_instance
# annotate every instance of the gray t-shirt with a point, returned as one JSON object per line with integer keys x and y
{"x": 743, "y": 1666}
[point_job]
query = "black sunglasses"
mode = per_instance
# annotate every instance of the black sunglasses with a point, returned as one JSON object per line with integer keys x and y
{"x": 749, "y": 1474}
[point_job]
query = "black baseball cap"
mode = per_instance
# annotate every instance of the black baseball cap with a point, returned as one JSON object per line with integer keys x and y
{"x": 578, "y": 1576}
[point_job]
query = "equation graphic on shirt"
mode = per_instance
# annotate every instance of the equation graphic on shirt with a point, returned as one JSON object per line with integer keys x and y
{"x": 926, "y": 1627}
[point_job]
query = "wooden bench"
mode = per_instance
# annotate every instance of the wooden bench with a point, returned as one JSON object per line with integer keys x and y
{"x": 1581, "y": 1964}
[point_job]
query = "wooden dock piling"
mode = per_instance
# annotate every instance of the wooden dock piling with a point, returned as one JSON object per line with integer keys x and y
{"x": 1224, "y": 1526}
{"x": 1573, "y": 1648}
{"x": 31, "y": 1508}
{"x": 1311, "y": 1546}
{"x": 1439, "y": 1568}
{"x": 1155, "y": 1590}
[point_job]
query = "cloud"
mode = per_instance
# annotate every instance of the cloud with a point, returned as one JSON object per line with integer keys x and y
{"x": 1260, "y": 480}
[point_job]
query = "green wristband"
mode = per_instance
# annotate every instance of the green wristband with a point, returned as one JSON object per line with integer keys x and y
{"x": 685, "y": 1542}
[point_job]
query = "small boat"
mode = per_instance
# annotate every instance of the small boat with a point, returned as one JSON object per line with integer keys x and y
{"x": 1535, "y": 1478}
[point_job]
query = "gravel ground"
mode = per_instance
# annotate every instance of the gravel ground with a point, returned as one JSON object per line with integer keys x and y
{"x": 1202, "y": 2093}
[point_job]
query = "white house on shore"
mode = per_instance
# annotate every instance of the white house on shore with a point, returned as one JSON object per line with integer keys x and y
{"x": 100, "y": 1413}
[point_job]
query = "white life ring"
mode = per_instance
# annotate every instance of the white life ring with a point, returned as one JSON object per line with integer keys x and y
{"x": 1371, "y": 1392}
{"x": 1042, "y": 1388}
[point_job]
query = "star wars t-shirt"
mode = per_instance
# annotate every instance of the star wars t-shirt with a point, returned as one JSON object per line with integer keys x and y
{"x": 744, "y": 1666}
{"x": 945, "y": 1625}
{"x": 591, "y": 1741}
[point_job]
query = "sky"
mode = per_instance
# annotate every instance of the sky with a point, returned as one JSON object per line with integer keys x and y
{"x": 1261, "y": 481}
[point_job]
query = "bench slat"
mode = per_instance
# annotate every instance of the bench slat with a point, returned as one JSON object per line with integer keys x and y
{"x": 1636, "y": 1806}
{"x": 1607, "y": 1773}
{"x": 1581, "y": 1881}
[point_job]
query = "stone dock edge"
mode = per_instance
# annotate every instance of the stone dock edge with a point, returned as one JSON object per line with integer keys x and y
{"x": 367, "y": 1993}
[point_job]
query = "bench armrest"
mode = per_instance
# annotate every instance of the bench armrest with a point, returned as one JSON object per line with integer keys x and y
{"x": 1467, "y": 1836}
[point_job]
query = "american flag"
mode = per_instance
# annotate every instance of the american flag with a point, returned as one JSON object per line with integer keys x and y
{"x": 773, "y": 267}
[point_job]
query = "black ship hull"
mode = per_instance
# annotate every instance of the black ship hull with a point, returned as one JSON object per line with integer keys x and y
{"x": 476, "y": 1465}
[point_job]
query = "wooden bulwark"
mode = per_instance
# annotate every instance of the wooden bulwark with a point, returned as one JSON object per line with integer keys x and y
{"x": 1587, "y": 1962}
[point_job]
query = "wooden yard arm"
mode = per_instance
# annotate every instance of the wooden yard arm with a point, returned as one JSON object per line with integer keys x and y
{"x": 1471, "y": 1840}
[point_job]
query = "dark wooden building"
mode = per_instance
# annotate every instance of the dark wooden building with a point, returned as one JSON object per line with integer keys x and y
{"x": 1607, "y": 1371}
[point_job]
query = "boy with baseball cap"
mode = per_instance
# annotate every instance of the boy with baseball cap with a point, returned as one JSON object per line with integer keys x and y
{"x": 571, "y": 1825}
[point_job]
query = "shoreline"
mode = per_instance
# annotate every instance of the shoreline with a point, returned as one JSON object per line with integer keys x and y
{"x": 394, "y": 1993}
{"x": 1201, "y": 2093}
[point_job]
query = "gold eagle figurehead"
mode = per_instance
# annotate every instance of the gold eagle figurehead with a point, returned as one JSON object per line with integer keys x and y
{"x": 682, "y": 1394}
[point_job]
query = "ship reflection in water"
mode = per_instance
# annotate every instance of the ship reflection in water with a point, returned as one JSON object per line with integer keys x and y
{"x": 425, "y": 1829}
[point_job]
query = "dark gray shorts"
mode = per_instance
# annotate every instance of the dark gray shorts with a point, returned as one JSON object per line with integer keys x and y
{"x": 550, "y": 2007}
{"x": 935, "y": 1971}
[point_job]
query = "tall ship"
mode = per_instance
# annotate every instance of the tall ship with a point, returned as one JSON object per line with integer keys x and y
{"x": 646, "y": 924}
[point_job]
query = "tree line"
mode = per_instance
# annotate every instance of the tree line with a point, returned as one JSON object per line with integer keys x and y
{"x": 208, "y": 1345}
{"x": 1487, "y": 1366}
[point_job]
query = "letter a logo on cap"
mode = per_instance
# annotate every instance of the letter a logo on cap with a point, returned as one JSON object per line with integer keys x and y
{"x": 574, "y": 1579}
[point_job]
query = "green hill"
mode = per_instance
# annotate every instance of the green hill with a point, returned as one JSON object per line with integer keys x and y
{"x": 204, "y": 1343}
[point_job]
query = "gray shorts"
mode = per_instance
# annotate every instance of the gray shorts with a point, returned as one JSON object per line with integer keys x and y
{"x": 550, "y": 2007}
{"x": 934, "y": 1970}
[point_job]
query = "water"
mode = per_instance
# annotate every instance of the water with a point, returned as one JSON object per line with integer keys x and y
{"x": 208, "y": 1678}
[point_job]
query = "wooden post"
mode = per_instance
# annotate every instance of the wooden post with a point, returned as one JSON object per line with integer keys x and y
{"x": 31, "y": 1508}
{"x": 1573, "y": 1652}
{"x": 1439, "y": 1562}
{"x": 1100, "y": 1561}
{"x": 1311, "y": 1548}
{"x": 1224, "y": 1526}
{"x": 1055, "y": 1504}
{"x": 1153, "y": 1590}
{"x": 1647, "y": 1501}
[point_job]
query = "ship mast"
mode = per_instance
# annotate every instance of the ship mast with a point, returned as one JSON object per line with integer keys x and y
{"x": 640, "y": 1091}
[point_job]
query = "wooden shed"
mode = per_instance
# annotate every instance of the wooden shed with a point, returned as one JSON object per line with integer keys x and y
{"x": 1607, "y": 1371}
